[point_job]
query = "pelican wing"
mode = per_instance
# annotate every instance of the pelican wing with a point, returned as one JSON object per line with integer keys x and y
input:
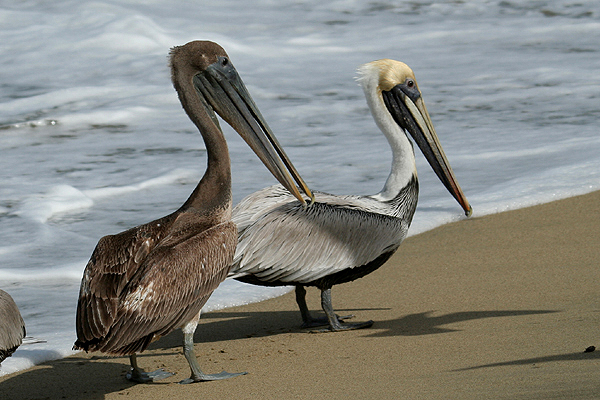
{"x": 154, "y": 294}
{"x": 12, "y": 327}
{"x": 114, "y": 260}
{"x": 280, "y": 240}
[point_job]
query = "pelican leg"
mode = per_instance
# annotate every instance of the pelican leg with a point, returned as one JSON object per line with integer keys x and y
{"x": 136, "y": 374}
{"x": 335, "y": 324}
{"x": 197, "y": 374}
{"x": 307, "y": 320}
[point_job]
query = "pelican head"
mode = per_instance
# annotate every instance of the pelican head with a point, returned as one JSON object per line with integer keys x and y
{"x": 221, "y": 90}
{"x": 394, "y": 87}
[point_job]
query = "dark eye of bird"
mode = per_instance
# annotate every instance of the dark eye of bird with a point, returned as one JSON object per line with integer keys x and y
{"x": 410, "y": 83}
{"x": 224, "y": 61}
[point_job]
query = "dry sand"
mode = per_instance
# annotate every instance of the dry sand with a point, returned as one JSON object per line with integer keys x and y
{"x": 498, "y": 307}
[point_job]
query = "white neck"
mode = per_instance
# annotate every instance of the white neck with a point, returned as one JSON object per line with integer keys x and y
{"x": 403, "y": 156}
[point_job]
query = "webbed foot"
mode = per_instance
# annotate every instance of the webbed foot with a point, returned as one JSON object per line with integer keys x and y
{"x": 322, "y": 321}
{"x": 139, "y": 376}
{"x": 201, "y": 377}
{"x": 335, "y": 325}
{"x": 343, "y": 327}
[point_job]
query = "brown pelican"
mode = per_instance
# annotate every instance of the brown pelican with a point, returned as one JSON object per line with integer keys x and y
{"x": 12, "y": 327}
{"x": 145, "y": 282}
{"x": 341, "y": 238}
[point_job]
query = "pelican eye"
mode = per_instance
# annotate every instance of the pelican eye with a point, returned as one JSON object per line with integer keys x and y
{"x": 409, "y": 88}
{"x": 224, "y": 61}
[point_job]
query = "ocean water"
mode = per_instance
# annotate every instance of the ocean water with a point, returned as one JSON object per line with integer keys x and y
{"x": 93, "y": 140}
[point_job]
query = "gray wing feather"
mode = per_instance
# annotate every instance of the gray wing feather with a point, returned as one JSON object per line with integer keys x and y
{"x": 12, "y": 327}
{"x": 279, "y": 239}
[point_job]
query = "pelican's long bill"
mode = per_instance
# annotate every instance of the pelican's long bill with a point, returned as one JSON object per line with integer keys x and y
{"x": 223, "y": 90}
{"x": 406, "y": 105}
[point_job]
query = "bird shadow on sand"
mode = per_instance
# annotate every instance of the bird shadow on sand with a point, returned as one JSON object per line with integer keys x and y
{"x": 75, "y": 377}
{"x": 239, "y": 325}
{"x": 62, "y": 379}
{"x": 579, "y": 356}
{"x": 425, "y": 323}
{"x": 223, "y": 325}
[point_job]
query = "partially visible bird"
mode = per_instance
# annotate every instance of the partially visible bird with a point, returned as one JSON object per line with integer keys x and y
{"x": 12, "y": 326}
{"x": 143, "y": 283}
{"x": 341, "y": 238}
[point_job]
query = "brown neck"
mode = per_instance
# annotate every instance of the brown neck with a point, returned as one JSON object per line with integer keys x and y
{"x": 214, "y": 189}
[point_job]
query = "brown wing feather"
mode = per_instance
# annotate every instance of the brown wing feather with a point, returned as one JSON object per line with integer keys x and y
{"x": 114, "y": 261}
{"x": 168, "y": 289}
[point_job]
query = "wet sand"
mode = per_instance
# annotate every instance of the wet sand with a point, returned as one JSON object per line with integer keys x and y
{"x": 497, "y": 307}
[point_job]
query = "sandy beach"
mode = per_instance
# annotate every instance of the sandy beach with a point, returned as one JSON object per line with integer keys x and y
{"x": 496, "y": 307}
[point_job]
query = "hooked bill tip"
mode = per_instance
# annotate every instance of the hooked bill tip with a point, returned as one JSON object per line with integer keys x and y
{"x": 469, "y": 212}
